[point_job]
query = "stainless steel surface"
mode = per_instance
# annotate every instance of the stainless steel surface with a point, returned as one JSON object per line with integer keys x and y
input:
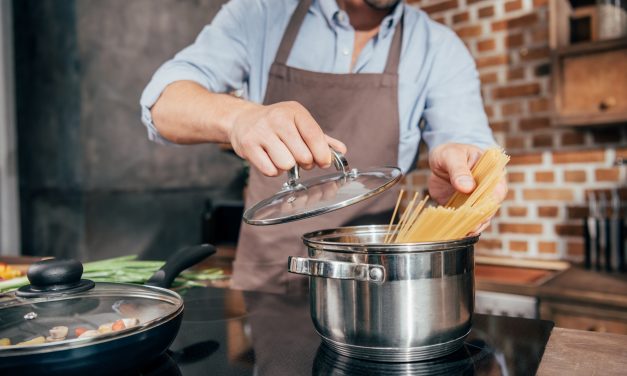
{"x": 302, "y": 199}
{"x": 335, "y": 269}
{"x": 422, "y": 309}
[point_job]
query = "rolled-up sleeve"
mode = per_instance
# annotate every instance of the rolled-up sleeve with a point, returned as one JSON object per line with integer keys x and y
{"x": 218, "y": 60}
{"x": 454, "y": 110}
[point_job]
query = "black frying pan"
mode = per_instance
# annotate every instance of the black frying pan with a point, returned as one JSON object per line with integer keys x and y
{"x": 114, "y": 354}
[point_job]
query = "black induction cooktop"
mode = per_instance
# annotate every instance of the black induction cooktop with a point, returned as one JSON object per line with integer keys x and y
{"x": 228, "y": 332}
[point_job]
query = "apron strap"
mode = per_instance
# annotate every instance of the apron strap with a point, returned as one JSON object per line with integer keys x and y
{"x": 292, "y": 32}
{"x": 289, "y": 37}
{"x": 394, "y": 53}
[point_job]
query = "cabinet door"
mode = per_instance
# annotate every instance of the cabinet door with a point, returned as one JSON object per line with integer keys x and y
{"x": 588, "y": 318}
{"x": 592, "y": 88}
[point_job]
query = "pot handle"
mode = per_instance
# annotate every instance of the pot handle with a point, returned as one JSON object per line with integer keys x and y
{"x": 335, "y": 269}
{"x": 179, "y": 261}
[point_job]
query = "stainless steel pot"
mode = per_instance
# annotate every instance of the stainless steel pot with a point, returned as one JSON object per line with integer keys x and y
{"x": 388, "y": 302}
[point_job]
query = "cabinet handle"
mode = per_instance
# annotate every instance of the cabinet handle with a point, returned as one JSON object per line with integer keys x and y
{"x": 607, "y": 103}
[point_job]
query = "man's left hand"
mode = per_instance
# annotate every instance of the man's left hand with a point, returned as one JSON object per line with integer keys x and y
{"x": 450, "y": 166}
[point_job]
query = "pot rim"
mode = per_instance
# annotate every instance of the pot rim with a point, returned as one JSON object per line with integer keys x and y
{"x": 316, "y": 239}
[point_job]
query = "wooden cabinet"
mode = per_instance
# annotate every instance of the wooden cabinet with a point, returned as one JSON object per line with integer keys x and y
{"x": 586, "y": 300}
{"x": 589, "y": 78}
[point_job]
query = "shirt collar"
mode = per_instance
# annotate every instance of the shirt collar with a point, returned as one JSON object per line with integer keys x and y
{"x": 337, "y": 17}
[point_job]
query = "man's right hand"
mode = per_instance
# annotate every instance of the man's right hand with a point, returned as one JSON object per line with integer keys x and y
{"x": 274, "y": 138}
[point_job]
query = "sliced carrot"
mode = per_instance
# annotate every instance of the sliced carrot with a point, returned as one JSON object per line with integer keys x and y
{"x": 80, "y": 330}
{"x": 118, "y": 325}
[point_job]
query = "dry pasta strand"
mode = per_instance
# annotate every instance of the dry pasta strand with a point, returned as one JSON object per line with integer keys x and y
{"x": 462, "y": 213}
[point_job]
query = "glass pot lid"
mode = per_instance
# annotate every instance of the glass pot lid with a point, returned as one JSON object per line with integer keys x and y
{"x": 302, "y": 199}
{"x": 59, "y": 310}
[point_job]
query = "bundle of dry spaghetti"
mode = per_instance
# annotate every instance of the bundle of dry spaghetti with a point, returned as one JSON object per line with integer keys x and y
{"x": 462, "y": 214}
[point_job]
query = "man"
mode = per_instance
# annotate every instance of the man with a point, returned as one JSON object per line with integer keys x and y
{"x": 355, "y": 75}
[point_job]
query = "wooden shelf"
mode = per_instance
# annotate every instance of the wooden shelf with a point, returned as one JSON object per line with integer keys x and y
{"x": 591, "y": 47}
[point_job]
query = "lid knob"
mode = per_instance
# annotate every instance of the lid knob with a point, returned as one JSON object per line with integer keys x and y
{"x": 54, "y": 277}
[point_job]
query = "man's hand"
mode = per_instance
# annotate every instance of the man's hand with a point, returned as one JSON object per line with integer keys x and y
{"x": 276, "y": 137}
{"x": 450, "y": 166}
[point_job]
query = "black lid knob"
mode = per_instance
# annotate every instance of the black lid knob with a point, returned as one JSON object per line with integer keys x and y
{"x": 53, "y": 277}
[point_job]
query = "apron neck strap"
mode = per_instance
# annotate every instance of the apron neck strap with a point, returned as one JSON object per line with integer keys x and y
{"x": 291, "y": 32}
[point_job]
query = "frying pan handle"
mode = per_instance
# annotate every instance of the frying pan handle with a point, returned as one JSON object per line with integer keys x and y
{"x": 335, "y": 269}
{"x": 181, "y": 260}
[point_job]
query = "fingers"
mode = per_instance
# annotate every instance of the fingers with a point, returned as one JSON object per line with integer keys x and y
{"x": 278, "y": 152}
{"x": 258, "y": 157}
{"x": 456, "y": 164}
{"x": 313, "y": 136}
{"x": 440, "y": 189}
{"x": 337, "y": 145}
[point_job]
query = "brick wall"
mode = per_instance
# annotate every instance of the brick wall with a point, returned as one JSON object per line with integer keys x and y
{"x": 551, "y": 168}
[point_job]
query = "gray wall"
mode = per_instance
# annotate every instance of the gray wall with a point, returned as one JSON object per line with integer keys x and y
{"x": 92, "y": 185}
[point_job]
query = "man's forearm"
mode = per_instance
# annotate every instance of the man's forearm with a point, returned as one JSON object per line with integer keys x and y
{"x": 187, "y": 113}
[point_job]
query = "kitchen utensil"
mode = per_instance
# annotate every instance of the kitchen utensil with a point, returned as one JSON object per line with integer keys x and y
{"x": 618, "y": 238}
{"x": 388, "y": 302}
{"x": 57, "y": 296}
{"x": 592, "y": 232}
{"x": 606, "y": 236}
{"x": 302, "y": 199}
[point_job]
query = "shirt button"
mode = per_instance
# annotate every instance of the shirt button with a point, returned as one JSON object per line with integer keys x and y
{"x": 341, "y": 17}
{"x": 345, "y": 51}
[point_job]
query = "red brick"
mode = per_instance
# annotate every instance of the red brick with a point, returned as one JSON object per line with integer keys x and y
{"x": 520, "y": 228}
{"x": 469, "y": 2}
{"x": 540, "y": 35}
{"x": 573, "y": 138}
{"x": 499, "y": 126}
{"x": 607, "y": 174}
{"x": 469, "y": 31}
{"x": 518, "y": 246}
{"x": 486, "y": 45}
{"x": 540, "y": 3}
{"x": 488, "y": 78}
{"x": 489, "y": 111}
{"x": 514, "y": 40}
{"x": 574, "y": 248}
{"x": 489, "y": 61}
{"x": 577, "y": 212}
{"x": 539, "y": 105}
{"x": 547, "y": 211}
{"x": 548, "y": 194}
{"x": 516, "y": 74}
{"x": 534, "y": 53}
{"x": 440, "y": 19}
{"x": 512, "y": 6}
{"x": 514, "y": 23}
{"x": 569, "y": 230}
{"x": 513, "y": 91}
{"x": 545, "y": 177}
{"x": 578, "y": 156}
{"x": 511, "y": 195}
{"x": 532, "y": 124}
{"x": 461, "y": 17}
{"x": 542, "y": 140}
{"x": 621, "y": 153}
{"x": 440, "y": 7}
{"x": 517, "y": 211}
{"x": 514, "y": 142}
{"x": 515, "y": 177}
{"x": 577, "y": 176}
{"x": 513, "y": 108}
{"x": 526, "y": 159}
{"x": 547, "y": 247}
{"x": 489, "y": 244}
{"x": 486, "y": 12}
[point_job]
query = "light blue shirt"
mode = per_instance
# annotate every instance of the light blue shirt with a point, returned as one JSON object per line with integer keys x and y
{"x": 438, "y": 80}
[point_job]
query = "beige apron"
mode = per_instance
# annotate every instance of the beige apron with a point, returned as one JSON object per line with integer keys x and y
{"x": 361, "y": 110}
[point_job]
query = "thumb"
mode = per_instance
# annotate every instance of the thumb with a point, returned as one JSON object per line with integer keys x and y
{"x": 459, "y": 172}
